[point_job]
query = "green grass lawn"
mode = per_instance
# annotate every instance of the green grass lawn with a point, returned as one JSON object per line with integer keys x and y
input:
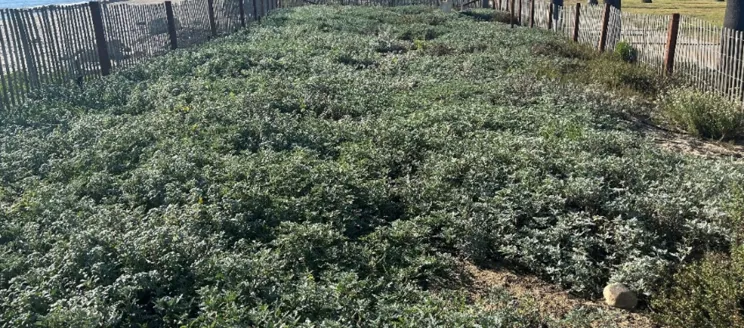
{"x": 709, "y": 10}
{"x": 337, "y": 166}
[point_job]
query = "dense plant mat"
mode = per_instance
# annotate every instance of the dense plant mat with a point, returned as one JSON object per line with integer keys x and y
{"x": 335, "y": 167}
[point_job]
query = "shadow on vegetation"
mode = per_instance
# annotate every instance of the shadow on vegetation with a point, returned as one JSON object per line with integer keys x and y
{"x": 666, "y": 103}
{"x": 489, "y": 16}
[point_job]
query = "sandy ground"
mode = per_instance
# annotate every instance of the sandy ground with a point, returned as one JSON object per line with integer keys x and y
{"x": 711, "y": 149}
{"x": 550, "y": 300}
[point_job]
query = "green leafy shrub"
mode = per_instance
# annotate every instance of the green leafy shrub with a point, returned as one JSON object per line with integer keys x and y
{"x": 317, "y": 170}
{"x": 486, "y": 15}
{"x": 703, "y": 114}
{"x": 578, "y": 63}
{"x": 735, "y": 210}
{"x": 626, "y": 52}
{"x": 562, "y": 48}
{"x": 707, "y": 293}
{"x": 490, "y": 15}
{"x": 625, "y": 77}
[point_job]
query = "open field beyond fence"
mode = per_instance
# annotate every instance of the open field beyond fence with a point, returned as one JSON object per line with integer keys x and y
{"x": 709, "y": 10}
{"x": 704, "y": 54}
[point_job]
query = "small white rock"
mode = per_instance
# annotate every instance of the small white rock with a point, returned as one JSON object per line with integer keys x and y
{"x": 619, "y": 296}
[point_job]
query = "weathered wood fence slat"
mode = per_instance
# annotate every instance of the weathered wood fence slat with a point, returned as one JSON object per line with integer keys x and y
{"x": 61, "y": 44}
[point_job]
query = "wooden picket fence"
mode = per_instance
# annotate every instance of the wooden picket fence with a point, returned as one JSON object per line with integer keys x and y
{"x": 75, "y": 43}
{"x": 64, "y": 44}
{"x": 707, "y": 56}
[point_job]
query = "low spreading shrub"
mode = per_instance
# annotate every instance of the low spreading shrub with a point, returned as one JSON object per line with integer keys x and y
{"x": 560, "y": 48}
{"x": 324, "y": 168}
{"x": 622, "y": 76}
{"x": 707, "y": 293}
{"x": 703, "y": 114}
{"x": 487, "y": 15}
{"x": 578, "y": 63}
{"x": 626, "y": 52}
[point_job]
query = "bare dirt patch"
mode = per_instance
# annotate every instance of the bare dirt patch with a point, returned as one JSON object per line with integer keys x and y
{"x": 681, "y": 142}
{"x": 551, "y": 301}
{"x": 691, "y": 145}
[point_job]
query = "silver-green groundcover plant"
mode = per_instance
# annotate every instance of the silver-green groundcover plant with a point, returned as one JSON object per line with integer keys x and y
{"x": 335, "y": 167}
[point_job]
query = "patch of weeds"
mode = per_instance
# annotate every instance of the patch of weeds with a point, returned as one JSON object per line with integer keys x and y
{"x": 505, "y": 18}
{"x": 557, "y": 48}
{"x": 433, "y": 48}
{"x": 419, "y": 44}
{"x": 571, "y": 61}
{"x": 420, "y": 31}
{"x": 708, "y": 293}
{"x": 559, "y": 70}
{"x": 703, "y": 114}
{"x": 617, "y": 76}
{"x": 480, "y": 14}
{"x": 626, "y": 52}
{"x": 625, "y": 77}
{"x": 391, "y": 46}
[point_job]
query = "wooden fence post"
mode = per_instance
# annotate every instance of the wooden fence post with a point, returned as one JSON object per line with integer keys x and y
{"x": 532, "y": 13}
{"x": 171, "y": 25}
{"x": 101, "y": 44}
{"x": 519, "y": 11}
{"x": 605, "y": 23}
{"x": 241, "y": 11}
{"x": 255, "y": 11}
{"x": 210, "y": 12}
{"x": 671, "y": 44}
{"x": 511, "y": 14}
{"x": 576, "y": 22}
{"x": 550, "y": 16}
